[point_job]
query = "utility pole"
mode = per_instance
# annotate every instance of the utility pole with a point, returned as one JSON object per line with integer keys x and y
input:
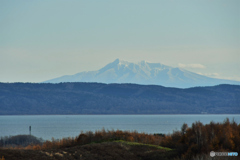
{"x": 30, "y": 130}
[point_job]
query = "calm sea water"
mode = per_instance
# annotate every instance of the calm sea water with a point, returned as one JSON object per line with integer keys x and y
{"x": 59, "y": 126}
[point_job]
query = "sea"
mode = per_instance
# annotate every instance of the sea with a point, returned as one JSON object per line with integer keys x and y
{"x": 63, "y": 126}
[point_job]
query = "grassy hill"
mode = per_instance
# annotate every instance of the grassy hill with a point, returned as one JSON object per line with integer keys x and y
{"x": 195, "y": 142}
{"x": 96, "y": 151}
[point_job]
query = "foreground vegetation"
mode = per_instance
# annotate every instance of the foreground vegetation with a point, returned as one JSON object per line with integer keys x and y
{"x": 201, "y": 139}
{"x": 193, "y": 142}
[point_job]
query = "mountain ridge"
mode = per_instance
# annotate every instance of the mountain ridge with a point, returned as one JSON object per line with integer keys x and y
{"x": 100, "y": 98}
{"x": 120, "y": 71}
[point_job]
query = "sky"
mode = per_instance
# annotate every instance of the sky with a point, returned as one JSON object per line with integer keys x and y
{"x": 45, "y": 39}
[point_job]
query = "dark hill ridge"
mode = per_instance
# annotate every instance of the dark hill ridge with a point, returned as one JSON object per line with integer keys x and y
{"x": 98, "y": 98}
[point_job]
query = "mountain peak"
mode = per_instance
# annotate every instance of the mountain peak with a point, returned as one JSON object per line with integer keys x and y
{"x": 143, "y": 72}
{"x": 143, "y": 61}
{"x": 120, "y": 62}
{"x": 116, "y": 61}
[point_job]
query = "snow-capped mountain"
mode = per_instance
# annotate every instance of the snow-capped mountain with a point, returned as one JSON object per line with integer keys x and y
{"x": 143, "y": 72}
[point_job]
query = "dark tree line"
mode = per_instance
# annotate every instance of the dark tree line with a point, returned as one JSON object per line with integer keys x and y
{"x": 19, "y": 141}
{"x": 202, "y": 139}
{"x": 97, "y": 98}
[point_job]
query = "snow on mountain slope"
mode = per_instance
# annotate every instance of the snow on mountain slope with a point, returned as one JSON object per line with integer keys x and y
{"x": 143, "y": 72}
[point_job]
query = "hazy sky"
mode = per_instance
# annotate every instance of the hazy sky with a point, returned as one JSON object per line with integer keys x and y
{"x": 45, "y": 39}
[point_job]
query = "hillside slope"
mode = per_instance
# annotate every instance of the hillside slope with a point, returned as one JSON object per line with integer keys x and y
{"x": 97, "y": 98}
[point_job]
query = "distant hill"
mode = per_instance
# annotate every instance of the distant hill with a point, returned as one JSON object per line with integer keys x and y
{"x": 98, "y": 98}
{"x": 144, "y": 72}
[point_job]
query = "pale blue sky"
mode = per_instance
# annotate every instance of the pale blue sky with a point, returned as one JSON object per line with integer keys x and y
{"x": 44, "y": 39}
